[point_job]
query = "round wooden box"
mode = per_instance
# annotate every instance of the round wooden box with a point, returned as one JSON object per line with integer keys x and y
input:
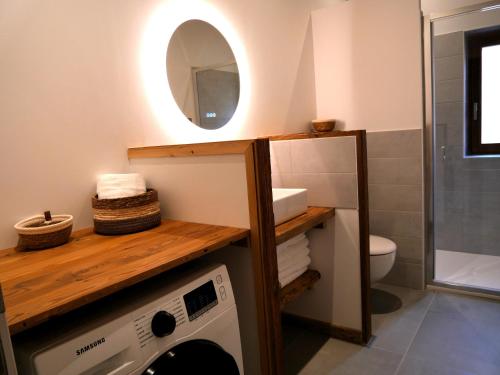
{"x": 34, "y": 234}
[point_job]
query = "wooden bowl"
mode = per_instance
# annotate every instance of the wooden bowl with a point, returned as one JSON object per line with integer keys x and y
{"x": 323, "y": 126}
{"x": 34, "y": 235}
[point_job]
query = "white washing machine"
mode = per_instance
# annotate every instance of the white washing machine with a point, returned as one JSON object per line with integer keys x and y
{"x": 181, "y": 324}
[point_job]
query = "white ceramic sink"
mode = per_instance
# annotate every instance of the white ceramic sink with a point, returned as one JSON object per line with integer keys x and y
{"x": 288, "y": 203}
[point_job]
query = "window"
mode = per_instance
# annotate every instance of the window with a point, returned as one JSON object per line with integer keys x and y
{"x": 483, "y": 91}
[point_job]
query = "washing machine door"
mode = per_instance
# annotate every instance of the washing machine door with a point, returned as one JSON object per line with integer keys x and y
{"x": 194, "y": 357}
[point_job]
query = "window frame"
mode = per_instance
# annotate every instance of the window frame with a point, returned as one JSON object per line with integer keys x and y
{"x": 475, "y": 40}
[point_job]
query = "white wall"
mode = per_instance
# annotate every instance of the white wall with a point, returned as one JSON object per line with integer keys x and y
{"x": 222, "y": 198}
{"x": 368, "y": 67}
{"x": 72, "y": 97}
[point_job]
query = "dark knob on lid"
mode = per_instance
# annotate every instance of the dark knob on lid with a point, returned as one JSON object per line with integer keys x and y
{"x": 163, "y": 324}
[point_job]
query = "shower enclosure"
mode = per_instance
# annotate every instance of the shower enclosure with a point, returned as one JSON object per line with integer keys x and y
{"x": 462, "y": 72}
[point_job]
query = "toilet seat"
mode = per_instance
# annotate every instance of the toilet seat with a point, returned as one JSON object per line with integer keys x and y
{"x": 381, "y": 246}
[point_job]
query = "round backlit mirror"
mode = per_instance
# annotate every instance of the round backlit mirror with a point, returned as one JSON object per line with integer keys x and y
{"x": 203, "y": 74}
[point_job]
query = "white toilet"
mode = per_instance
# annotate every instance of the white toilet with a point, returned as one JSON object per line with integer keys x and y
{"x": 382, "y": 257}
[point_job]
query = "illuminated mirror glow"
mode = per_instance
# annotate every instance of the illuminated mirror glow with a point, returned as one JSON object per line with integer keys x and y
{"x": 203, "y": 74}
{"x": 490, "y": 95}
{"x": 174, "y": 126}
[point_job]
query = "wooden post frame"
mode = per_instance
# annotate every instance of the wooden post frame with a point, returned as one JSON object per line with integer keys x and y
{"x": 343, "y": 333}
{"x": 262, "y": 234}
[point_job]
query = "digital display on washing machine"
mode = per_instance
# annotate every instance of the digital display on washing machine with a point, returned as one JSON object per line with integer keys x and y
{"x": 200, "y": 300}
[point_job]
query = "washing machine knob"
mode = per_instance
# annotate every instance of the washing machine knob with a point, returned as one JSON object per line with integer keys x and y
{"x": 163, "y": 324}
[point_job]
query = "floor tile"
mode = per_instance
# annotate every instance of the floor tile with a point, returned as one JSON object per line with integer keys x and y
{"x": 395, "y": 331}
{"x": 433, "y": 333}
{"x": 341, "y": 358}
{"x": 419, "y": 366}
{"x": 448, "y": 340}
{"x": 467, "y": 307}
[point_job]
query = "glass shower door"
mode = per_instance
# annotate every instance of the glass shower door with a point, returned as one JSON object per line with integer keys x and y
{"x": 466, "y": 162}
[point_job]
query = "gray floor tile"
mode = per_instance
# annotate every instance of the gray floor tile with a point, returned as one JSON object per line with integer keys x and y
{"x": 419, "y": 366}
{"x": 432, "y": 334}
{"x": 446, "y": 339}
{"x": 341, "y": 358}
{"x": 467, "y": 307}
{"x": 395, "y": 331}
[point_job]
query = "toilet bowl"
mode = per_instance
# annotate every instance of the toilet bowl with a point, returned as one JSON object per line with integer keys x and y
{"x": 382, "y": 257}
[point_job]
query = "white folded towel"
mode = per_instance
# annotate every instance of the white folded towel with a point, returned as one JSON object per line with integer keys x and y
{"x": 120, "y": 185}
{"x": 299, "y": 241}
{"x": 291, "y": 257}
{"x": 299, "y": 264}
{"x": 287, "y": 280}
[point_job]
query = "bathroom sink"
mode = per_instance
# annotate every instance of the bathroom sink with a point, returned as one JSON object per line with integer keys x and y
{"x": 288, "y": 203}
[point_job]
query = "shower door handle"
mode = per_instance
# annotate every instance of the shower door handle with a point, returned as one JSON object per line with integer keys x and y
{"x": 443, "y": 152}
{"x": 475, "y": 110}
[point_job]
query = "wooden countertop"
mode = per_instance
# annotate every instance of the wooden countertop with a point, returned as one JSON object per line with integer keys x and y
{"x": 40, "y": 285}
{"x": 312, "y": 217}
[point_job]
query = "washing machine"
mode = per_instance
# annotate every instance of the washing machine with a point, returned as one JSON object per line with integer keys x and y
{"x": 185, "y": 323}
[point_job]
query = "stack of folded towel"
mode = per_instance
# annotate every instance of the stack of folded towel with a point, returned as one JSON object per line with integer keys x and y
{"x": 110, "y": 186}
{"x": 293, "y": 259}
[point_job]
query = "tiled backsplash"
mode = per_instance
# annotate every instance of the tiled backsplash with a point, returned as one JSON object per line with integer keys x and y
{"x": 395, "y": 187}
{"x": 396, "y": 200}
{"x": 315, "y": 163}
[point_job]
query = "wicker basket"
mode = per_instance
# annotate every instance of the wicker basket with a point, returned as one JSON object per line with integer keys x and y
{"x": 126, "y": 215}
{"x": 34, "y": 235}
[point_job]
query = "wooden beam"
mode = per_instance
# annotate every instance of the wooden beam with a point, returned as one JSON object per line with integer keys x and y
{"x": 341, "y": 333}
{"x": 335, "y": 133}
{"x": 262, "y": 238}
{"x": 313, "y": 217}
{"x": 364, "y": 235}
{"x": 195, "y": 149}
{"x": 298, "y": 286}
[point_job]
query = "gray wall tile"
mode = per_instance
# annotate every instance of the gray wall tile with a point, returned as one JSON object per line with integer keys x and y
{"x": 448, "y": 44}
{"x": 338, "y": 190}
{"x": 394, "y": 144}
{"x": 395, "y": 171}
{"x": 406, "y": 274}
{"x": 410, "y": 249}
{"x": 484, "y": 180}
{"x": 449, "y": 67}
{"x": 324, "y": 155}
{"x": 449, "y": 91}
{"x": 448, "y": 232}
{"x": 396, "y": 197}
{"x": 449, "y": 124}
{"x": 481, "y": 163}
{"x": 486, "y": 203}
{"x": 396, "y": 223}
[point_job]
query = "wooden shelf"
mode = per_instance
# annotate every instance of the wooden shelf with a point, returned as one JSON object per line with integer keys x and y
{"x": 311, "y": 218}
{"x": 44, "y": 284}
{"x": 298, "y": 286}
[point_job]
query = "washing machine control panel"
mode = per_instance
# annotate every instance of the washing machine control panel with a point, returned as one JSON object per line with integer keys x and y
{"x": 200, "y": 300}
{"x": 184, "y": 310}
{"x": 163, "y": 324}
